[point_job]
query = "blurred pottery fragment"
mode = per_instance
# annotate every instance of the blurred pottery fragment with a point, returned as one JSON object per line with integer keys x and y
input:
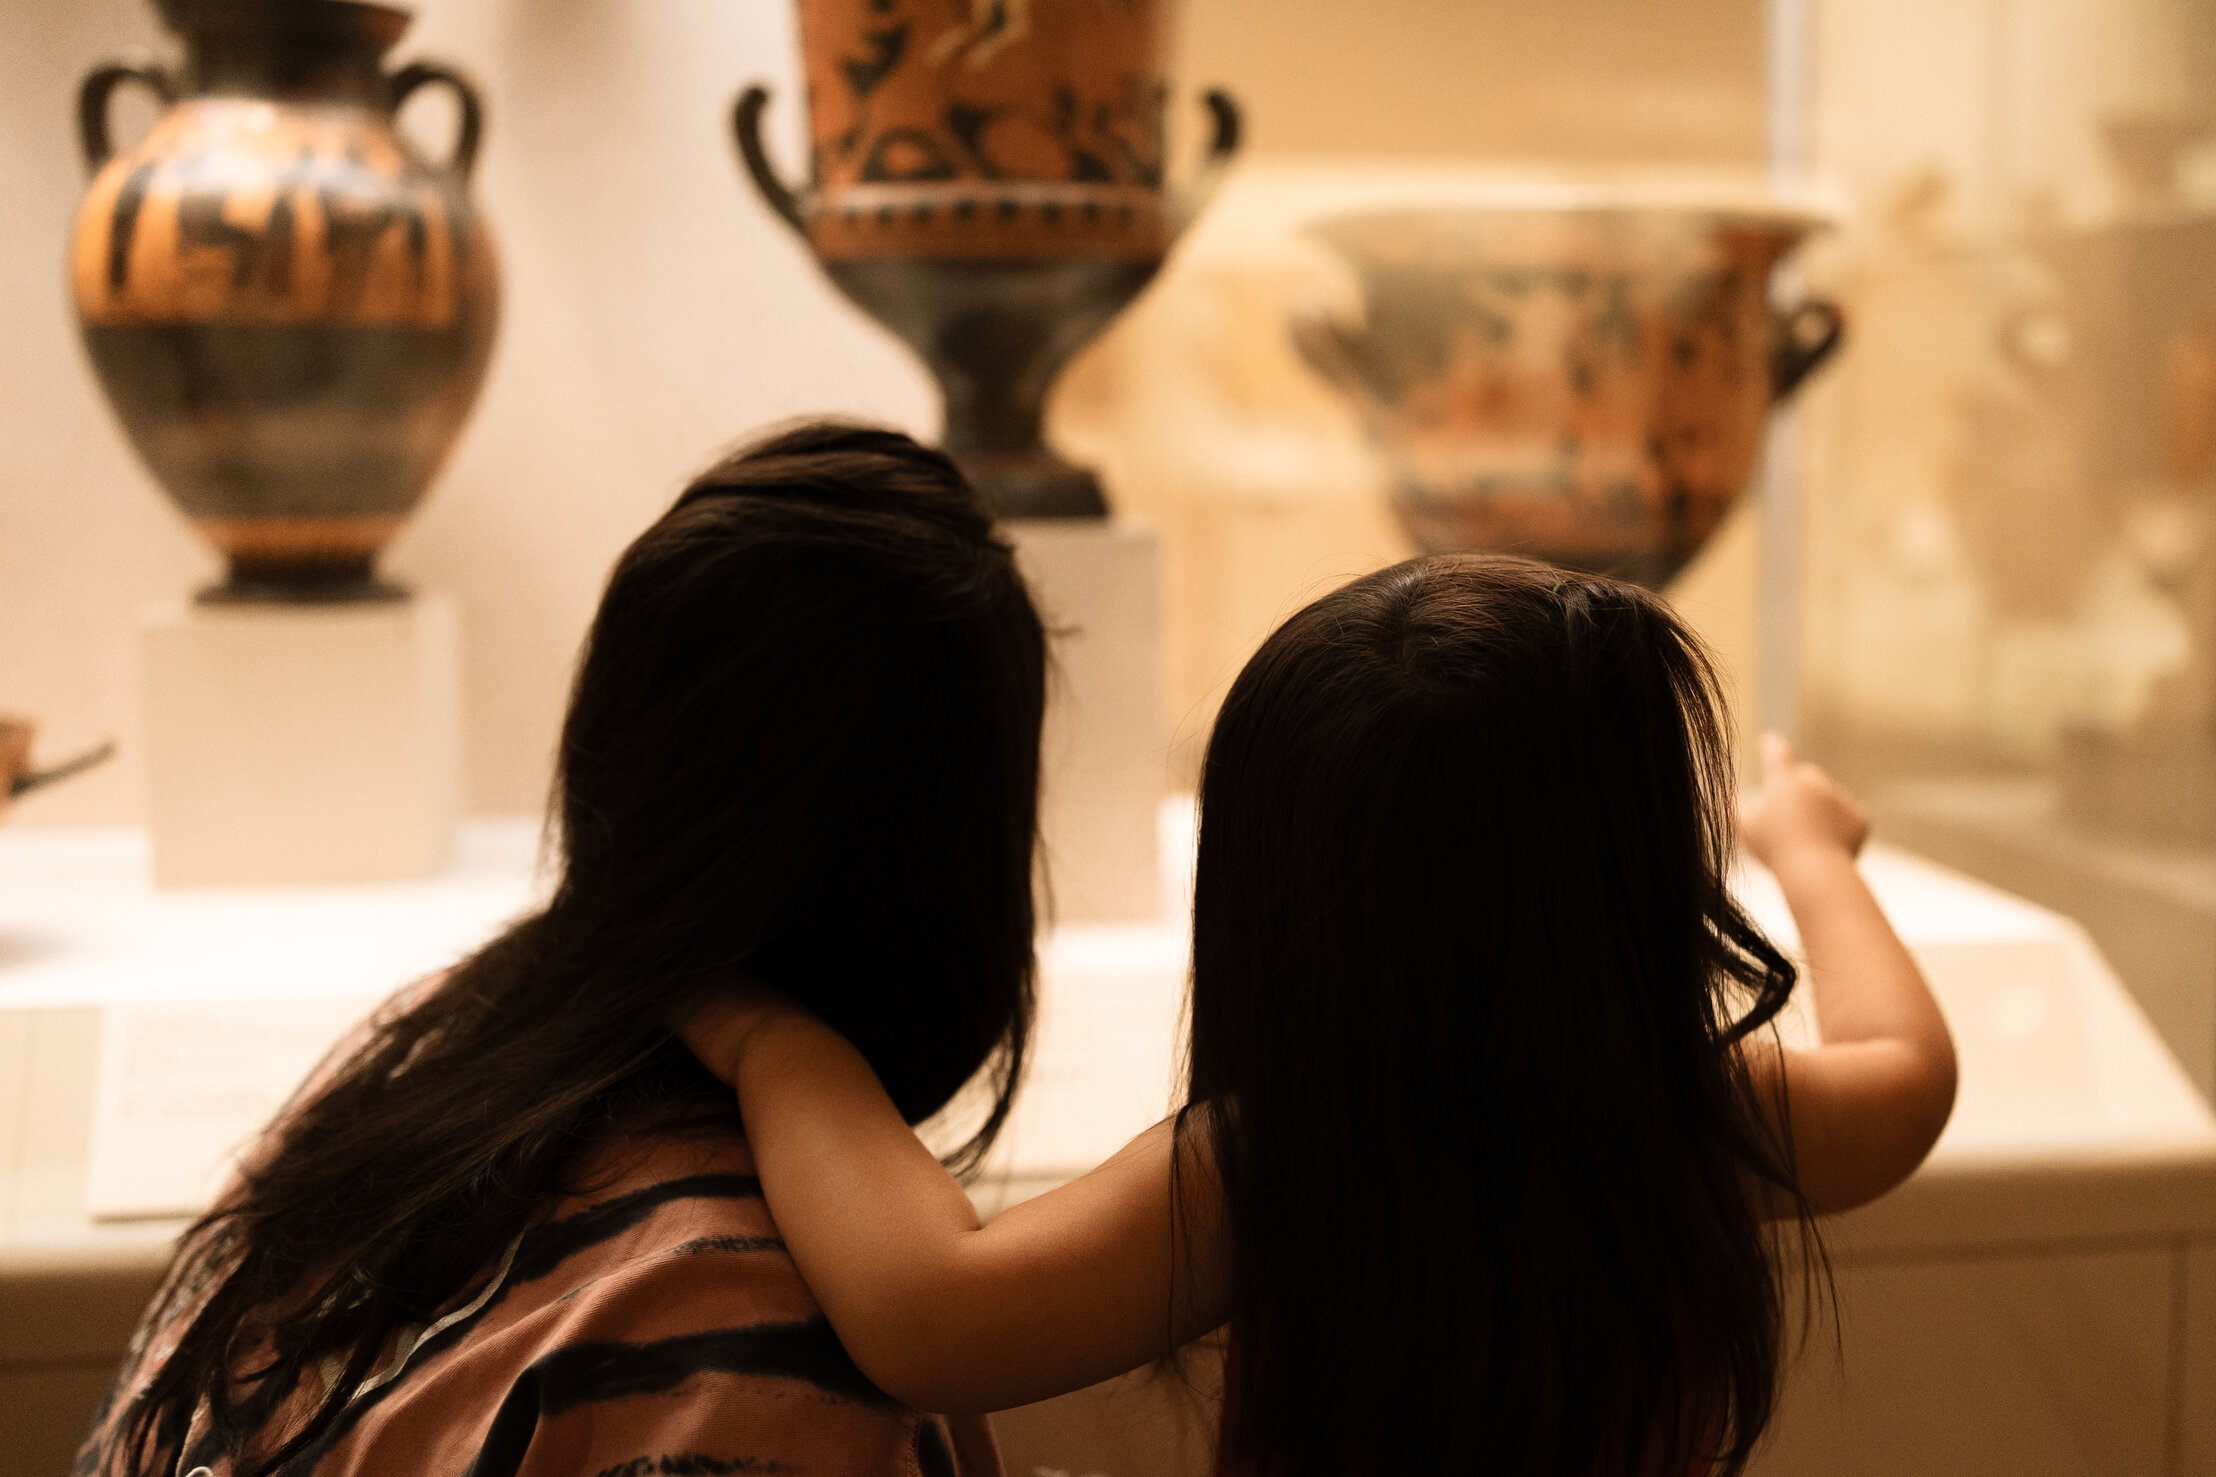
{"x": 18, "y": 777}
{"x": 2145, "y": 150}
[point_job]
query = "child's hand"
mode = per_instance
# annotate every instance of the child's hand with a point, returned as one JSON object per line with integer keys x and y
{"x": 723, "y": 1027}
{"x": 1798, "y": 808}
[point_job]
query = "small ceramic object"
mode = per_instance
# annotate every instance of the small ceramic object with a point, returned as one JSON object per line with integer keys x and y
{"x": 290, "y": 310}
{"x": 1589, "y": 386}
{"x": 17, "y": 777}
{"x": 989, "y": 183}
{"x": 15, "y": 756}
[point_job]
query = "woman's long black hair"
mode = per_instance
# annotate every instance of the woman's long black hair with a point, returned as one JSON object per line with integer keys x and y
{"x": 1467, "y": 988}
{"x": 803, "y": 743}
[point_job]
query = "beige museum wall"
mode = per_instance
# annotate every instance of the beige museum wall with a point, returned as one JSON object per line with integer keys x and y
{"x": 654, "y": 312}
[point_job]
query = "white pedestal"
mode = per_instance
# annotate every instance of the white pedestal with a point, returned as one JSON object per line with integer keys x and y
{"x": 1103, "y": 763}
{"x": 301, "y": 744}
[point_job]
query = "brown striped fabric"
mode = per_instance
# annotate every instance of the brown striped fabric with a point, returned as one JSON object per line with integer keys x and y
{"x": 654, "y": 1325}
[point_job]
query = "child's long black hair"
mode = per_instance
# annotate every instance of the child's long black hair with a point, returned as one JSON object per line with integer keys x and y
{"x": 803, "y": 743}
{"x": 1467, "y": 987}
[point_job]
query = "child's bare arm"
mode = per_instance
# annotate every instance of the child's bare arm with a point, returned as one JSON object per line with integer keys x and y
{"x": 1056, "y": 1293}
{"x": 1868, "y": 1104}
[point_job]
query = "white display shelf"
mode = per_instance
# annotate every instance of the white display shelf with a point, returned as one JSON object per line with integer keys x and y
{"x": 2079, "y": 1156}
{"x": 81, "y": 922}
{"x": 2060, "y": 1073}
{"x": 168, "y": 1025}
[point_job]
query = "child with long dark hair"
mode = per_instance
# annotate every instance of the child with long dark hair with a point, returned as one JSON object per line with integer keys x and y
{"x": 1490, "y": 1153}
{"x": 514, "y": 1229}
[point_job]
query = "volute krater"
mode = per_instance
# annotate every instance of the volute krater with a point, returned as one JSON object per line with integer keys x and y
{"x": 989, "y": 183}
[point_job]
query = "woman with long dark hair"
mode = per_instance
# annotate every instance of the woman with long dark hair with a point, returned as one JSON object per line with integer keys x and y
{"x": 514, "y": 1228}
{"x": 1490, "y": 1150}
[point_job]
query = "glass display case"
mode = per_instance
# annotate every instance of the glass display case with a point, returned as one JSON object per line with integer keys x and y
{"x": 2009, "y": 594}
{"x": 1960, "y": 538}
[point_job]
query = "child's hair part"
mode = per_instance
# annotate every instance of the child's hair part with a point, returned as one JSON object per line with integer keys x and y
{"x": 1467, "y": 987}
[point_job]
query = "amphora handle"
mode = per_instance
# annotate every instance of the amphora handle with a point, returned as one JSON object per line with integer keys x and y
{"x": 1802, "y": 337}
{"x": 472, "y": 130}
{"x": 93, "y": 95}
{"x": 746, "y": 127}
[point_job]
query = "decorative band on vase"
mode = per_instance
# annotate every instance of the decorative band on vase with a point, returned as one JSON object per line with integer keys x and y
{"x": 294, "y": 539}
{"x": 989, "y": 219}
{"x": 1586, "y": 528}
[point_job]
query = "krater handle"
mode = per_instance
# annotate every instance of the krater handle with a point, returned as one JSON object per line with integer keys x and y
{"x": 746, "y": 127}
{"x": 466, "y": 138}
{"x": 1223, "y": 144}
{"x": 1327, "y": 346}
{"x": 1803, "y": 336}
{"x": 92, "y": 104}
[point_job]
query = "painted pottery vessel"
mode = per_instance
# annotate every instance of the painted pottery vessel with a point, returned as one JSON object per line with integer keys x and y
{"x": 289, "y": 308}
{"x": 18, "y": 776}
{"x": 989, "y": 183}
{"x": 1588, "y": 386}
{"x": 15, "y": 756}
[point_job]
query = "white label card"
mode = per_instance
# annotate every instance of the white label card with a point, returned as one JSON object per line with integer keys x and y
{"x": 182, "y": 1089}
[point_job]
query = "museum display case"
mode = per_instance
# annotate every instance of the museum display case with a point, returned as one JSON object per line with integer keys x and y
{"x": 2010, "y": 586}
{"x": 1880, "y": 336}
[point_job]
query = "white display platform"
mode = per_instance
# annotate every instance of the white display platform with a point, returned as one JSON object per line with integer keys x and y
{"x": 1103, "y": 760}
{"x": 2150, "y": 906}
{"x": 2039, "y": 1298}
{"x": 301, "y": 743}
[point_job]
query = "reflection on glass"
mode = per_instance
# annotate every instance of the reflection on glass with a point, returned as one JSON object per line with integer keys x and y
{"x": 2011, "y": 590}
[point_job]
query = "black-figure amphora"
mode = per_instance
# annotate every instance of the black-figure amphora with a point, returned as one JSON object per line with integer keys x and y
{"x": 289, "y": 308}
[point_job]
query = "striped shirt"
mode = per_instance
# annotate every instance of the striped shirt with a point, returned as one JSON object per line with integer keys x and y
{"x": 655, "y": 1325}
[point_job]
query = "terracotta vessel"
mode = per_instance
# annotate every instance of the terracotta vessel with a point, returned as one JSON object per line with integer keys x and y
{"x": 289, "y": 308}
{"x": 19, "y": 777}
{"x": 1589, "y": 386}
{"x": 989, "y": 184}
{"x": 15, "y": 756}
